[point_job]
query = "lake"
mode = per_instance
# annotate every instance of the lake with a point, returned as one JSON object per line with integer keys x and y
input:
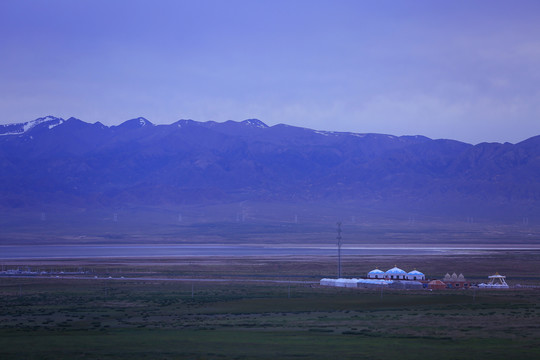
{"x": 141, "y": 251}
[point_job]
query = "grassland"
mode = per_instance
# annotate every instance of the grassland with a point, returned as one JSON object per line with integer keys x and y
{"x": 260, "y": 223}
{"x": 62, "y": 318}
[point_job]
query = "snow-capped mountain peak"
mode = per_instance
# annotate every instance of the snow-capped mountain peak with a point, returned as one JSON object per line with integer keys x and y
{"x": 255, "y": 123}
{"x": 21, "y": 128}
{"x": 135, "y": 123}
{"x": 143, "y": 122}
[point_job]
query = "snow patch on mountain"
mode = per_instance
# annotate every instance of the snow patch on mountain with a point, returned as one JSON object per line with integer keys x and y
{"x": 326, "y": 133}
{"x": 255, "y": 123}
{"x": 55, "y": 125}
{"x": 31, "y": 124}
{"x": 144, "y": 122}
{"x": 21, "y": 128}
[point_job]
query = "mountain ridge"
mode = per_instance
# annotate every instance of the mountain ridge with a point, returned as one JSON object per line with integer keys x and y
{"x": 137, "y": 163}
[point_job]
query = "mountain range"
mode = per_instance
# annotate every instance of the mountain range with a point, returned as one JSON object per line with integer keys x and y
{"x": 73, "y": 163}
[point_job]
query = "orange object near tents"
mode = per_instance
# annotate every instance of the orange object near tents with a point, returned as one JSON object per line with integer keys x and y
{"x": 436, "y": 284}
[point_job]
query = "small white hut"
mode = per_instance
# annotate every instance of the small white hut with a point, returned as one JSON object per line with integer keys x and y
{"x": 396, "y": 273}
{"x": 416, "y": 275}
{"x": 375, "y": 274}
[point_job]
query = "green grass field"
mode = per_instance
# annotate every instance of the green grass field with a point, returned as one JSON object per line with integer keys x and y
{"x": 100, "y": 319}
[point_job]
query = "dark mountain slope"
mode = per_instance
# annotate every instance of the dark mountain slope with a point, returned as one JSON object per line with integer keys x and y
{"x": 137, "y": 163}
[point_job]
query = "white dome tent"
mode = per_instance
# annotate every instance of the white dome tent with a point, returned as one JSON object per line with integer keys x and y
{"x": 396, "y": 273}
{"x": 375, "y": 274}
{"x": 416, "y": 275}
{"x": 395, "y": 278}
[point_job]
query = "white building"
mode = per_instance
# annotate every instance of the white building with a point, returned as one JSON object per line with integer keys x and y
{"x": 375, "y": 274}
{"x": 377, "y": 278}
{"x": 416, "y": 275}
{"x": 396, "y": 273}
{"x": 356, "y": 283}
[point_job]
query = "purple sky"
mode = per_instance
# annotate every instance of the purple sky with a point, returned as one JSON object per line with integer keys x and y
{"x": 466, "y": 70}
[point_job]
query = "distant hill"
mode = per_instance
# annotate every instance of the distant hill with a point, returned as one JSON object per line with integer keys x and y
{"x": 72, "y": 163}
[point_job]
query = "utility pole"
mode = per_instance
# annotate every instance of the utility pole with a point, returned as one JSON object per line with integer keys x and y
{"x": 289, "y": 291}
{"x": 339, "y": 248}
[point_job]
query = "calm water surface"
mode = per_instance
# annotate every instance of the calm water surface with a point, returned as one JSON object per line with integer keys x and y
{"x": 139, "y": 251}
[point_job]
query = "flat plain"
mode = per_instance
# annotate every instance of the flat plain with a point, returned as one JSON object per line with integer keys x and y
{"x": 229, "y": 308}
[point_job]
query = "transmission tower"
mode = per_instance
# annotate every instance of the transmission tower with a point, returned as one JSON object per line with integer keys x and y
{"x": 339, "y": 248}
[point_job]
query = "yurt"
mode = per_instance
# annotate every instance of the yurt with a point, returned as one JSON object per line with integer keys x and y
{"x": 375, "y": 274}
{"x": 396, "y": 273}
{"x": 416, "y": 275}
